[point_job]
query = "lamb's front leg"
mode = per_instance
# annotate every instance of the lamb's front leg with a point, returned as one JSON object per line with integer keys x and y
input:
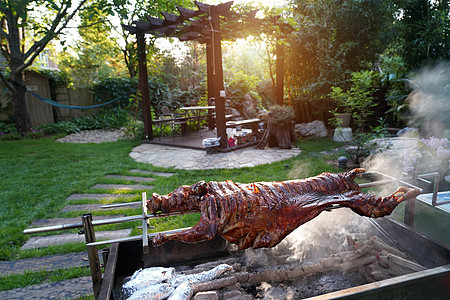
{"x": 205, "y": 229}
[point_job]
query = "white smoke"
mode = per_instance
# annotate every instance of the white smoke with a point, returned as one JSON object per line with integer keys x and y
{"x": 430, "y": 99}
{"x": 328, "y": 233}
{"x": 429, "y": 103}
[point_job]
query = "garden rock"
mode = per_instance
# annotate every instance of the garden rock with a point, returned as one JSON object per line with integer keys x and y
{"x": 408, "y": 132}
{"x": 315, "y": 129}
{"x": 343, "y": 135}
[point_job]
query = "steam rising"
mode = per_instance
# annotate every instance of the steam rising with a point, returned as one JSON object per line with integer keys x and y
{"x": 328, "y": 233}
{"x": 430, "y": 104}
{"x": 430, "y": 100}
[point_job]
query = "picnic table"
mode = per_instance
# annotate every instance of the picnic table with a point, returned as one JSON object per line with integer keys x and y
{"x": 251, "y": 123}
{"x": 195, "y": 112}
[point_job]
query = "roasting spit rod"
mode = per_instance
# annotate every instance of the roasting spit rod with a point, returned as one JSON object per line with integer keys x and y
{"x": 145, "y": 217}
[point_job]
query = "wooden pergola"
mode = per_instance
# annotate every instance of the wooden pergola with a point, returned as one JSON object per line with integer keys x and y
{"x": 202, "y": 25}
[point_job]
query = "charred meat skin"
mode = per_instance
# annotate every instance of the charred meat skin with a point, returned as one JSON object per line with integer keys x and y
{"x": 261, "y": 214}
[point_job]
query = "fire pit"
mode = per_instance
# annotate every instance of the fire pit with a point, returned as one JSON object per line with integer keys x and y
{"x": 333, "y": 252}
{"x": 337, "y": 252}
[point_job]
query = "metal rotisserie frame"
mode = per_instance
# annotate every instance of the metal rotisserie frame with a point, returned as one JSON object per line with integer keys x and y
{"x": 129, "y": 254}
{"x": 433, "y": 283}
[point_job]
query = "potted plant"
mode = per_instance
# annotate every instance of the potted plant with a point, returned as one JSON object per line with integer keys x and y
{"x": 358, "y": 100}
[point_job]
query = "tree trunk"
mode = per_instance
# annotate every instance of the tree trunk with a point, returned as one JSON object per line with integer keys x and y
{"x": 20, "y": 109}
{"x": 283, "y": 136}
{"x": 276, "y": 136}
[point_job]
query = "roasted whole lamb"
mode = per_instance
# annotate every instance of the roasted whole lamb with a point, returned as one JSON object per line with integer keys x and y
{"x": 261, "y": 214}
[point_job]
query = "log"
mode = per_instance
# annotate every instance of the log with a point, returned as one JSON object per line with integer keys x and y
{"x": 380, "y": 275}
{"x": 380, "y": 246}
{"x": 210, "y": 295}
{"x": 241, "y": 276}
{"x": 389, "y": 259}
{"x": 358, "y": 264}
{"x": 330, "y": 262}
{"x": 214, "y": 284}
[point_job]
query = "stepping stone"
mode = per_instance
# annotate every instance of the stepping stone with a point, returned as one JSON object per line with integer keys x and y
{"x": 61, "y": 221}
{"x": 162, "y": 174}
{"x": 53, "y": 262}
{"x": 93, "y": 207}
{"x": 67, "y": 289}
{"x": 45, "y": 241}
{"x": 123, "y": 187}
{"x": 99, "y": 196}
{"x": 131, "y": 178}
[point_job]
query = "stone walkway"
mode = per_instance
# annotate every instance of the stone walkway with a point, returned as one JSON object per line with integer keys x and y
{"x": 153, "y": 154}
{"x": 77, "y": 287}
{"x": 67, "y": 289}
{"x": 190, "y": 159}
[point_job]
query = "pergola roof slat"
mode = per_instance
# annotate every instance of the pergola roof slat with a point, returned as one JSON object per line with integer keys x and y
{"x": 130, "y": 29}
{"x": 171, "y": 18}
{"x": 189, "y": 36}
{"x": 188, "y": 13}
{"x": 223, "y": 8}
{"x": 202, "y": 7}
{"x": 143, "y": 25}
{"x": 155, "y": 21}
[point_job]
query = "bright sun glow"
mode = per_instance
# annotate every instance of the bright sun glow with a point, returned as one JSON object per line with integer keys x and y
{"x": 178, "y": 49}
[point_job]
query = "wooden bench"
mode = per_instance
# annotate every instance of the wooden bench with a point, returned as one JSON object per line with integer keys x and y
{"x": 172, "y": 122}
{"x": 251, "y": 123}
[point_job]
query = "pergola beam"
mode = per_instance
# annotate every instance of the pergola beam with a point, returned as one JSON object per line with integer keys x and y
{"x": 202, "y": 25}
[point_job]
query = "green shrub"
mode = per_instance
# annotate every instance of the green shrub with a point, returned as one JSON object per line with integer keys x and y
{"x": 112, "y": 88}
{"x": 358, "y": 99}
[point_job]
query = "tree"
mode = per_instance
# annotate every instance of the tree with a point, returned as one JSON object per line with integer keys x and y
{"x": 17, "y": 16}
{"x": 424, "y": 30}
{"x": 334, "y": 39}
{"x": 130, "y": 11}
{"x": 96, "y": 55}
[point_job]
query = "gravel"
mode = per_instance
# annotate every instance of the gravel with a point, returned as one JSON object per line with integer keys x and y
{"x": 93, "y": 136}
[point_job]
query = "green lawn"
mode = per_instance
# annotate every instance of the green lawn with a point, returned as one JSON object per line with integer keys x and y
{"x": 38, "y": 175}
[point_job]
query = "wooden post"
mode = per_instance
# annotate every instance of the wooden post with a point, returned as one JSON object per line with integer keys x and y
{"x": 279, "y": 88}
{"x": 210, "y": 80}
{"x": 217, "y": 77}
{"x": 94, "y": 262}
{"x": 143, "y": 85}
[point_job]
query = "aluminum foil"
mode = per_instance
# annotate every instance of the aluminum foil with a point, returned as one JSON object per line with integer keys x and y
{"x": 163, "y": 283}
{"x": 154, "y": 292}
{"x": 201, "y": 277}
{"x": 182, "y": 292}
{"x": 144, "y": 278}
